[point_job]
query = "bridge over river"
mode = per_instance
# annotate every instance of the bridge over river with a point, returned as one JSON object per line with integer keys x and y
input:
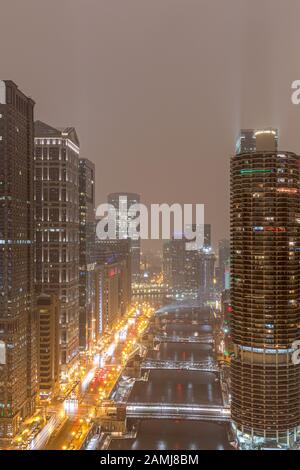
{"x": 178, "y": 411}
{"x": 201, "y": 339}
{"x": 205, "y": 366}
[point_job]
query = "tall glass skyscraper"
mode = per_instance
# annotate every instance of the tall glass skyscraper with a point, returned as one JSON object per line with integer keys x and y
{"x": 265, "y": 276}
{"x": 122, "y": 203}
{"x": 18, "y": 366}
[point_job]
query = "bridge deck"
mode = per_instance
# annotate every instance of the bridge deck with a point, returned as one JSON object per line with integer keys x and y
{"x": 177, "y": 411}
{"x": 202, "y": 339}
{"x": 205, "y": 366}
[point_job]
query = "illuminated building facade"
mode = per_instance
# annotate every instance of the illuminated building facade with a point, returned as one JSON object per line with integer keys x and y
{"x": 57, "y": 230}
{"x": 265, "y": 275}
{"x": 111, "y": 294}
{"x": 116, "y": 251}
{"x": 47, "y": 307}
{"x": 18, "y": 367}
{"x": 86, "y": 253}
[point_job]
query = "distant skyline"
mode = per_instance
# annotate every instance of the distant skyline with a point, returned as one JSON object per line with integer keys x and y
{"x": 158, "y": 90}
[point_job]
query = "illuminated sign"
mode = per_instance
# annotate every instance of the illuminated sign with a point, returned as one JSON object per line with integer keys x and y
{"x": 288, "y": 190}
{"x": 254, "y": 170}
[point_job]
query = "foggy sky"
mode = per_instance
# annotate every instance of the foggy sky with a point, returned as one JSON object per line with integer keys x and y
{"x": 158, "y": 89}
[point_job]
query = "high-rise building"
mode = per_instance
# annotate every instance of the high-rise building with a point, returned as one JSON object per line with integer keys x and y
{"x": 86, "y": 252}
{"x": 122, "y": 202}
{"x": 189, "y": 273}
{"x": 207, "y": 236}
{"x": 48, "y": 345}
{"x": 265, "y": 275}
{"x": 207, "y": 260}
{"x": 113, "y": 251}
{"x": 174, "y": 264}
{"x": 112, "y": 296}
{"x": 206, "y": 232}
{"x": 224, "y": 257}
{"x": 192, "y": 274}
{"x": 18, "y": 367}
{"x": 57, "y": 230}
{"x": 247, "y": 140}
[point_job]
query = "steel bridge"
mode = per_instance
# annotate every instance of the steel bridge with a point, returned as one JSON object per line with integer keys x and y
{"x": 178, "y": 411}
{"x": 201, "y": 339}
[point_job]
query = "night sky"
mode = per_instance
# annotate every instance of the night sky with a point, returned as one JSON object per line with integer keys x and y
{"x": 158, "y": 89}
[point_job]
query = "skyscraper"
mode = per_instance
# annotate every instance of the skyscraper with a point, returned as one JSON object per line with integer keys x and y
{"x": 189, "y": 273}
{"x": 192, "y": 275}
{"x": 122, "y": 202}
{"x": 265, "y": 275}
{"x": 57, "y": 241}
{"x": 18, "y": 367}
{"x": 174, "y": 264}
{"x": 207, "y": 236}
{"x": 224, "y": 257}
{"x": 207, "y": 260}
{"x": 112, "y": 296}
{"x": 112, "y": 251}
{"x": 86, "y": 252}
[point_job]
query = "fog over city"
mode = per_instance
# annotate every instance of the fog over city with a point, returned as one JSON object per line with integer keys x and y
{"x": 149, "y": 229}
{"x": 158, "y": 90}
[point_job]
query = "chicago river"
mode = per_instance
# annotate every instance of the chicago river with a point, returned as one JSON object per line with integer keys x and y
{"x": 188, "y": 344}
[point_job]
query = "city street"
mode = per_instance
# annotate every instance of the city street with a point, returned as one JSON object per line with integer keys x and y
{"x": 97, "y": 384}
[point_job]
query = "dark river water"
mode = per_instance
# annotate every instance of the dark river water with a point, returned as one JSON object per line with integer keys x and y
{"x": 182, "y": 352}
{"x": 187, "y": 330}
{"x": 179, "y": 386}
{"x": 173, "y": 386}
{"x": 176, "y": 435}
